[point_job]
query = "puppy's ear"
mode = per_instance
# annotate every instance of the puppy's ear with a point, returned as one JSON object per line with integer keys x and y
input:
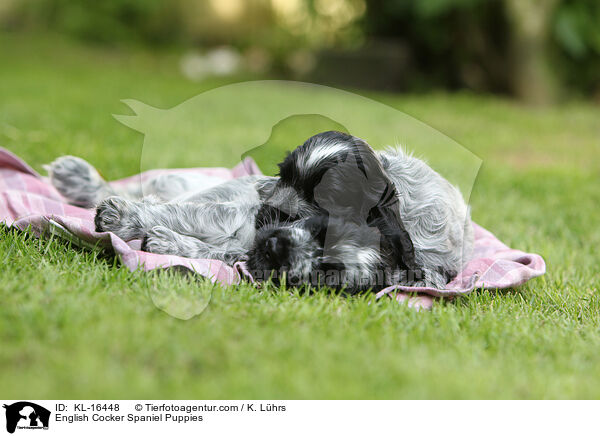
{"x": 381, "y": 197}
{"x": 352, "y": 183}
{"x": 356, "y": 188}
{"x": 386, "y": 217}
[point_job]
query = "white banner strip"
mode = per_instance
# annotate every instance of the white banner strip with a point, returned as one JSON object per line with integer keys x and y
{"x": 23, "y": 417}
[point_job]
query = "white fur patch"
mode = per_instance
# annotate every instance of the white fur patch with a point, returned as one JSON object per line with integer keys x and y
{"x": 323, "y": 153}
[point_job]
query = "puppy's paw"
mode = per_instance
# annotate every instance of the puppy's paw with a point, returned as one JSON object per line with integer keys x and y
{"x": 161, "y": 240}
{"x": 119, "y": 216}
{"x": 77, "y": 181}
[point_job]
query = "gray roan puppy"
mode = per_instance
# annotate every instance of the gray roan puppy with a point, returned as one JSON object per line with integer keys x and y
{"x": 340, "y": 214}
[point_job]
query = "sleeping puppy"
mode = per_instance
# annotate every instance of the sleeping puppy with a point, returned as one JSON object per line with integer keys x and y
{"x": 332, "y": 218}
{"x": 343, "y": 215}
{"x": 339, "y": 214}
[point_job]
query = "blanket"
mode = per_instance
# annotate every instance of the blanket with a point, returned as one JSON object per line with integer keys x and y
{"x": 28, "y": 201}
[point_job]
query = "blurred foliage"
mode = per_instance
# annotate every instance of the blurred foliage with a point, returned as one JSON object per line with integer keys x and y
{"x": 271, "y": 23}
{"x": 451, "y": 43}
{"x": 576, "y": 31}
{"x": 473, "y": 43}
{"x": 151, "y": 21}
{"x": 479, "y": 44}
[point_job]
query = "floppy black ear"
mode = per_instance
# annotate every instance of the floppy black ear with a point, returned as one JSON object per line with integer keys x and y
{"x": 356, "y": 188}
{"x": 385, "y": 216}
{"x": 352, "y": 183}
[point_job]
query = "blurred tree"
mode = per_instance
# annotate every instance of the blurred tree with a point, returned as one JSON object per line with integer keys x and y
{"x": 531, "y": 73}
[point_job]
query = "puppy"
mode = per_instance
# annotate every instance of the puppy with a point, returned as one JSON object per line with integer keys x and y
{"x": 339, "y": 214}
{"x": 332, "y": 218}
{"x": 344, "y": 215}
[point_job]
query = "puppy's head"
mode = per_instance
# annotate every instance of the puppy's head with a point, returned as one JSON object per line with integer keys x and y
{"x": 291, "y": 248}
{"x": 333, "y": 209}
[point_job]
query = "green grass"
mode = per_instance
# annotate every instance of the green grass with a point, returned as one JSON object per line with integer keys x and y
{"x": 76, "y": 325}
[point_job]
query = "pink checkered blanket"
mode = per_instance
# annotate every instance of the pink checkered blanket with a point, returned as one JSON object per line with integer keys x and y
{"x": 29, "y": 201}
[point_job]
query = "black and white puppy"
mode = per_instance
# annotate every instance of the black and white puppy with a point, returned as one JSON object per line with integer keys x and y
{"x": 339, "y": 214}
{"x": 332, "y": 218}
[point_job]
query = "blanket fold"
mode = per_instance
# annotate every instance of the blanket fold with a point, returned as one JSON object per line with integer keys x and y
{"x": 29, "y": 201}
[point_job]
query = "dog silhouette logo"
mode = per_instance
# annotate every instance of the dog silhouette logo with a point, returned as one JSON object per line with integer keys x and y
{"x": 26, "y": 415}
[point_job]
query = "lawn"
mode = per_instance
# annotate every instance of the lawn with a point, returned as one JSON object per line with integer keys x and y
{"x": 74, "y": 324}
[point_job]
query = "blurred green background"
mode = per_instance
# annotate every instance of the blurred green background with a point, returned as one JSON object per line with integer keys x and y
{"x": 536, "y": 50}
